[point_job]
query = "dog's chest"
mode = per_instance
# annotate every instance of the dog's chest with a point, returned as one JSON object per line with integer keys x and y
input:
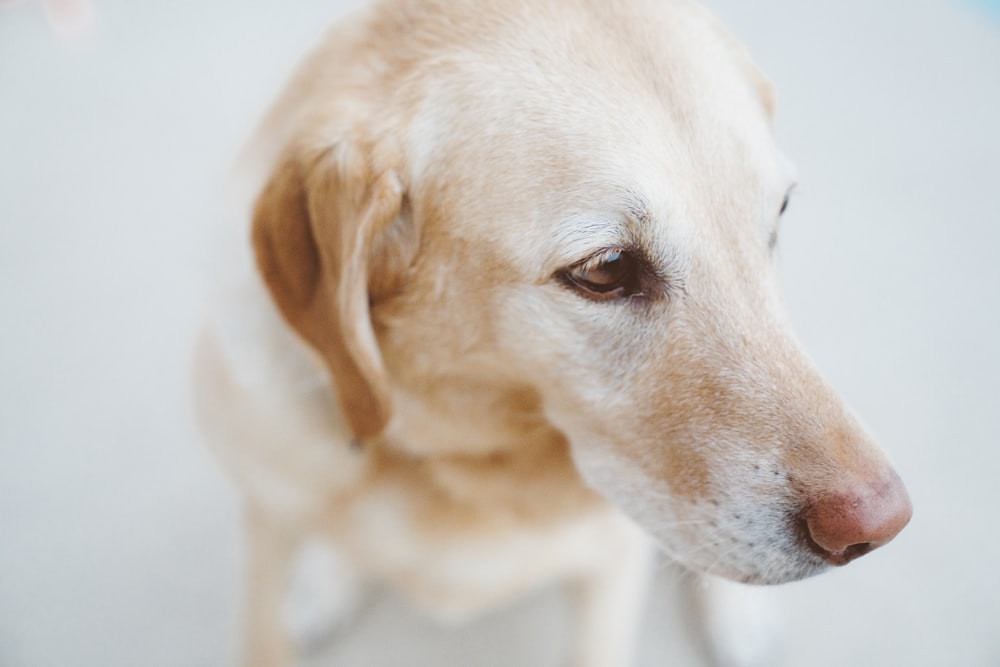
{"x": 454, "y": 558}
{"x": 460, "y": 534}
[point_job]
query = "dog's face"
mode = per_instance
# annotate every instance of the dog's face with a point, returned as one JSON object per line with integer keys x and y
{"x": 576, "y": 216}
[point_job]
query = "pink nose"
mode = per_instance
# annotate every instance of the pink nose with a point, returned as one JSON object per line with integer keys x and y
{"x": 862, "y": 517}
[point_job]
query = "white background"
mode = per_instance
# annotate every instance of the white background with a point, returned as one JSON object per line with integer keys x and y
{"x": 118, "y": 535}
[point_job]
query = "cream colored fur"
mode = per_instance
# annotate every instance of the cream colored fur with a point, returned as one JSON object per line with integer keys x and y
{"x": 404, "y": 371}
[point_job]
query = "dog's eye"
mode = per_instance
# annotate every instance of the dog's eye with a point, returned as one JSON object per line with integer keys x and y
{"x": 784, "y": 205}
{"x": 611, "y": 274}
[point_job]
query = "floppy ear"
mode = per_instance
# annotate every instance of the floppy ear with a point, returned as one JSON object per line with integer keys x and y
{"x": 316, "y": 226}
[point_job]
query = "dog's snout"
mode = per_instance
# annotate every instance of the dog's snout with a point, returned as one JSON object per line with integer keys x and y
{"x": 863, "y": 516}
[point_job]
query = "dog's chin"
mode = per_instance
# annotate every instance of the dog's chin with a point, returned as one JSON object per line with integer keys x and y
{"x": 786, "y": 574}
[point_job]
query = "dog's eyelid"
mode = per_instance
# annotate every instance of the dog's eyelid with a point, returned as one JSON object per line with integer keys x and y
{"x": 638, "y": 279}
{"x": 602, "y": 257}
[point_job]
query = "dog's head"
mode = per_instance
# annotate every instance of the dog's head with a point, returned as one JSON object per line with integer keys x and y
{"x": 562, "y": 216}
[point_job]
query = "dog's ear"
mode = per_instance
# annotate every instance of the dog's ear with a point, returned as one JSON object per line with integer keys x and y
{"x": 318, "y": 223}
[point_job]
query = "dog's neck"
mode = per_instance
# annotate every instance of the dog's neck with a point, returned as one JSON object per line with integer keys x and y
{"x": 489, "y": 447}
{"x": 458, "y": 417}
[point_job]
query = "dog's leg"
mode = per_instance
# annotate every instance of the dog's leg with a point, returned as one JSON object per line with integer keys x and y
{"x": 269, "y": 550}
{"x": 740, "y": 623}
{"x": 609, "y": 600}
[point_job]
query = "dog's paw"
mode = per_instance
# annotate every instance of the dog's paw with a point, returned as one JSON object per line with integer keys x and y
{"x": 324, "y": 595}
{"x": 741, "y": 624}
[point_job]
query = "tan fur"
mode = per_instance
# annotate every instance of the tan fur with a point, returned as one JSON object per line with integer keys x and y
{"x": 416, "y": 382}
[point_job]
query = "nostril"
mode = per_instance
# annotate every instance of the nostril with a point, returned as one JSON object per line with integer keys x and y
{"x": 858, "y": 550}
{"x": 846, "y": 555}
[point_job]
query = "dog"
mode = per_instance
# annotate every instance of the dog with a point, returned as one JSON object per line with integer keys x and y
{"x": 512, "y": 316}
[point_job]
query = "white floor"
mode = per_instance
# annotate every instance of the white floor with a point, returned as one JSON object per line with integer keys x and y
{"x": 119, "y": 539}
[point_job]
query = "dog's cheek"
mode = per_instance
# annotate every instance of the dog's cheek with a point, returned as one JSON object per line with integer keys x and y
{"x": 585, "y": 355}
{"x": 626, "y": 484}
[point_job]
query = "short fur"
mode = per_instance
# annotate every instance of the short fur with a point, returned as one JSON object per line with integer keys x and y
{"x": 408, "y": 374}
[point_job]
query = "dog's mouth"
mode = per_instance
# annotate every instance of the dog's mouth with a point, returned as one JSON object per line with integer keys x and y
{"x": 772, "y": 575}
{"x": 788, "y": 555}
{"x": 805, "y": 557}
{"x": 758, "y": 533}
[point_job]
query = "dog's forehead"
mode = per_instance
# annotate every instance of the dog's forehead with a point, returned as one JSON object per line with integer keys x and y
{"x": 583, "y": 120}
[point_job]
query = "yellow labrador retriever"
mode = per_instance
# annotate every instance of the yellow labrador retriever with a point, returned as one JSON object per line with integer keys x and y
{"x": 512, "y": 282}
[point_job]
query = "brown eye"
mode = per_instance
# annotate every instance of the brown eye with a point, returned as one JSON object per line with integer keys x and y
{"x": 609, "y": 275}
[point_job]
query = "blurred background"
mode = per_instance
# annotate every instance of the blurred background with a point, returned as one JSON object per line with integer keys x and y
{"x": 119, "y": 542}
